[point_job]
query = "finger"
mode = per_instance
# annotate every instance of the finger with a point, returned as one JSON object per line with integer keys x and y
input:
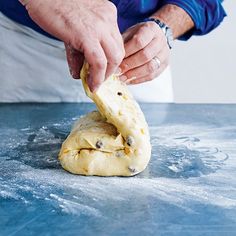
{"x": 114, "y": 55}
{"x": 75, "y": 61}
{"x": 149, "y": 68}
{"x": 118, "y": 38}
{"x": 139, "y": 40}
{"x": 128, "y": 34}
{"x": 144, "y": 70}
{"x": 142, "y": 57}
{"x": 147, "y": 77}
{"x": 97, "y": 61}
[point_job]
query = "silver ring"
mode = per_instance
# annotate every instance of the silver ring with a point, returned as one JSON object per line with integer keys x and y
{"x": 157, "y": 61}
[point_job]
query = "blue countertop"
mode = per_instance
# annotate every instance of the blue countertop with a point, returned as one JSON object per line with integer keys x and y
{"x": 189, "y": 187}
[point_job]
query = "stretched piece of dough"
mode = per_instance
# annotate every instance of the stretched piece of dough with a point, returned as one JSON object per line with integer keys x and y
{"x": 113, "y": 141}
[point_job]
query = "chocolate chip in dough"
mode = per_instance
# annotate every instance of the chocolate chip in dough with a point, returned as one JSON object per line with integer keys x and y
{"x": 99, "y": 144}
{"x": 119, "y": 154}
{"x": 132, "y": 169}
{"x": 130, "y": 140}
{"x": 119, "y": 93}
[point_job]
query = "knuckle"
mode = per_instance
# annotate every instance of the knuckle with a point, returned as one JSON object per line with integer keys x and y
{"x": 150, "y": 26}
{"x": 114, "y": 62}
{"x": 144, "y": 28}
{"x": 138, "y": 41}
{"x": 154, "y": 27}
{"x": 125, "y": 66}
{"x": 112, "y": 8}
{"x": 146, "y": 55}
{"x": 151, "y": 67}
{"x": 100, "y": 64}
{"x": 77, "y": 43}
{"x": 117, "y": 59}
{"x": 129, "y": 75}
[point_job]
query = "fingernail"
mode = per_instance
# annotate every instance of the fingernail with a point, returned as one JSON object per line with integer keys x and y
{"x": 118, "y": 72}
{"x": 123, "y": 78}
{"x": 74, "y": 75}
{"x": 124, "y": 67}
{"x": 129, "y": 81}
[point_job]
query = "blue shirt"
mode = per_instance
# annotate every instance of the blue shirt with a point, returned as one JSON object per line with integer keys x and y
{"x": 206, "y": 14}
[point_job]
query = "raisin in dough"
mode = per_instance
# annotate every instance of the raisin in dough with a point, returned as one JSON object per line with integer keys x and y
{"x": 112, "y": 142}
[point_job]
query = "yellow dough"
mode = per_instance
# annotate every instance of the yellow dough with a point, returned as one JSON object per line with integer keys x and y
{"x": 113, "y": 141}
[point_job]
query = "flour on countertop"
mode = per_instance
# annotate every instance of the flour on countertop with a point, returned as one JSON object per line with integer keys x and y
{"x": 187, "y": 163}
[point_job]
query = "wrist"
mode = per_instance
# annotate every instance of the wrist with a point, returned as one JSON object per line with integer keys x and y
{"x": 165, "y": 29}
{"x": 24, "y": 2}
{"x": 176, "y": 18}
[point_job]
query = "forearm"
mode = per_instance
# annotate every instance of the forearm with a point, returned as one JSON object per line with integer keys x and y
{"x": 23, "y": 2}
{"x": 176, "y": 18}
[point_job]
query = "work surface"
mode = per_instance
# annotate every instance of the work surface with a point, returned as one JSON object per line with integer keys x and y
{"x": 189, "y": 187}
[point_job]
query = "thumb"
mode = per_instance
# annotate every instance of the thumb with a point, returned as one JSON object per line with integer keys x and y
{"x": 75, "y": 60}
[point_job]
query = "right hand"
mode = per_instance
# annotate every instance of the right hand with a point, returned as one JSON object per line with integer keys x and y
{"x": 89, "y": 30}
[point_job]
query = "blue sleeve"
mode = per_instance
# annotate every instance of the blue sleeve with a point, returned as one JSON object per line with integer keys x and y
{"x": 206, "y": 14}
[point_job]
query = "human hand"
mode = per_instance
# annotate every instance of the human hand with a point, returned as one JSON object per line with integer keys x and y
{"x": 88, "y": 28}
{"x": 146, "y": 53}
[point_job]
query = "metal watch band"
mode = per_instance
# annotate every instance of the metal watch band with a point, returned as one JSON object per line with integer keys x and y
{"x": 167, "y": 30}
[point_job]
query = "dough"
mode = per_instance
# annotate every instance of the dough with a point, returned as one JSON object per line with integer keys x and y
{"x": 113, "y": 141}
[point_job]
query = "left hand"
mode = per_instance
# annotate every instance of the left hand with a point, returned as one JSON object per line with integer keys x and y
{"x": 144, "y": 42}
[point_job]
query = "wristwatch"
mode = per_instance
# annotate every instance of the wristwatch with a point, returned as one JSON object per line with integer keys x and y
{"x": 166, "y": 29}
